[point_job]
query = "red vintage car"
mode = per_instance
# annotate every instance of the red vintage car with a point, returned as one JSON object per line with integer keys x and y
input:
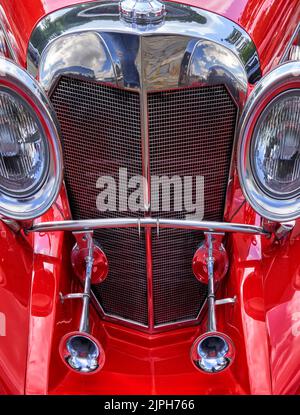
{"x": 150, "y": 197}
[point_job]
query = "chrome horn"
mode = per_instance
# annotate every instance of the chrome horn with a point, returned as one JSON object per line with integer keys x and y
{"x": 80, "y": 350}
{"x": 213, "y": 351}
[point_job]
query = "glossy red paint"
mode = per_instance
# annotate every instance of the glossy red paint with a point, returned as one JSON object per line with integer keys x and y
{"x": 282, "y": 304}
{"x": 137, "y": 363}
{"x": 49, "y": 258}
{"x": 264, "y": 323}
{"x": 246, "y": 277}
{"x": 141, "y": 363}
{"x": 16, "y": 268}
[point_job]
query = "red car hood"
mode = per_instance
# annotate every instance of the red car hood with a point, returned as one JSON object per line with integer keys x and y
{"x": 270, "y": 23}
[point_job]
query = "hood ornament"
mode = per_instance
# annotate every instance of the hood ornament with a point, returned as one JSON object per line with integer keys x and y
{"x": 142, "y": 12}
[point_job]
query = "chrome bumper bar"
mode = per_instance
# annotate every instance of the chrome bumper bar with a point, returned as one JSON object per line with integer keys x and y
{"x": 93, "y": 224}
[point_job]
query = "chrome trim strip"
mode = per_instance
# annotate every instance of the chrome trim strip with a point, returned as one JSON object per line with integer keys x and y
{"x": 9, "y": 37}
{"x": 158, "y": 328}
{"x": 285, "y": 56}
{"x": 149, "y": 270}
{"x": 11, "y": 51}
{"x": 147, "y": 191}
{"x": 93, "y": 224}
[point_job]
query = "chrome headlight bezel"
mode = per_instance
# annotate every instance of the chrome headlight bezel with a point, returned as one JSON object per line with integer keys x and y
{"x": 285, "y": 77}
{"x": 29, "y": 206}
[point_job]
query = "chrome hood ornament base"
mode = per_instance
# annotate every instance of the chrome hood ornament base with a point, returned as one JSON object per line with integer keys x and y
{"x": 142, "y": 11}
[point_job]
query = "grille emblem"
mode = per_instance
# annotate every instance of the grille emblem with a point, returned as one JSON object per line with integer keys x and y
{"x": 142, "y": 12}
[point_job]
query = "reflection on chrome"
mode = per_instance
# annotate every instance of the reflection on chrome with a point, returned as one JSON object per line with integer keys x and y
{"x": 30, "y": 150}
{"x": 83, "y": 353}
{"x": 268, "y": 173}
{"x": 80, "y": 350}
{"x": 213, "y": 351}
{"x": 142, "y": 11}
{"x": 105, "y": 47}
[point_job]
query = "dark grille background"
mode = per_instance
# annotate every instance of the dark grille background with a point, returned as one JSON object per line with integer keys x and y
{"x": 190, "y": 133}
{"x": 101, "y": 132}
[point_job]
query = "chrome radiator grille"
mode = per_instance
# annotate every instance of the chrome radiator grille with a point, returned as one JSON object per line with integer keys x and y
{"x": 101, "y": 132}
{"x": 190, "y": 134}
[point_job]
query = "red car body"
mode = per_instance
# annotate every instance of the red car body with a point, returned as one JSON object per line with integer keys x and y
{"x": 264, "y": 274}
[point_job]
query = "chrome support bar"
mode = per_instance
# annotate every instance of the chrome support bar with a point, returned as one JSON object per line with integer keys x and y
{"x": 72, "y": 296}
{"x": 211, "y": 298}
{"x": 211, "y": 319}
{"x": 223, "y": 301}
{"x": 80, "y": 350}
{"x": 213, "y": 351}
{"x": 87, "y": 237}
{"x": 93, "y": 224}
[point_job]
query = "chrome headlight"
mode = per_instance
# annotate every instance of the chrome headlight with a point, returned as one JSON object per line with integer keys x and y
{"x": 269, "y": 146}
{"x": 30, "y": 152}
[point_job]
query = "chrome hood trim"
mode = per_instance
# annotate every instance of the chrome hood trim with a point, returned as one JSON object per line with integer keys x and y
{"x": 191, "y": 47}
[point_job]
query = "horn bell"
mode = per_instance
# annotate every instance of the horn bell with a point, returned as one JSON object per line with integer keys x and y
{"x": 213, "y": 352}
{"x": 82, "y": 352}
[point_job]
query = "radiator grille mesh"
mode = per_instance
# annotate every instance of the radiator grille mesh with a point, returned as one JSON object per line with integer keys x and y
{"x": 101, "y": 132}
{"x": 190, "y": 133}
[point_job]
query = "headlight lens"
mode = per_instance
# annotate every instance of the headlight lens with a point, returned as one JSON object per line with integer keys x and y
{"x": 269, "y": 145}
{"x": 23, "y": 147}
{"x": 275, "y": 146}
{"x": 31, "y": 166}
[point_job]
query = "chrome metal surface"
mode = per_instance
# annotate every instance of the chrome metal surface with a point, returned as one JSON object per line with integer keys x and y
{"x": 223, "y": 301}
{"x": 4, "y": 37}
{"x": 93, "y": 224}
{"x": 283, "y": 78}
{"x": 86, "y": 239}
{"x": 211, "y": 318}
{"x": 142, "y": 11}
{"x": 80, "y": 350}
{"x": 193, "y": 45}
{"x": 83, "y": 354}
{"x": 294, "y": 54}
{"x": 289, "y": 53}
{"x": 284, "y": 229}
{"x": 29, "y": 207}
{"x": 111, "y": 303}
{"x": 213, "y": 351}
{"x": 72, "y": 296}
